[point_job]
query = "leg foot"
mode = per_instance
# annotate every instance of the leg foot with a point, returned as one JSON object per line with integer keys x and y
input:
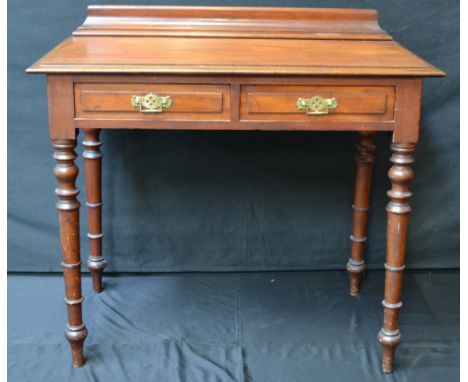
{"x": 389, "y": 342}
{"x": 76, "y": 338}
{"x": 364, "y": 163}
{"x": 355, "y": 275}
{"x": 96, "y": 266}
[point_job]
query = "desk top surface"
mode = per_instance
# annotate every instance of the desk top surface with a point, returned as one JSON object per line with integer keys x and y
{"x": 232, "y": 40}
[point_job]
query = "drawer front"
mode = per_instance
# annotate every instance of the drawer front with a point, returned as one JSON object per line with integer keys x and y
{"x": 186, "y": 102}
{"x": 353, "y": 103}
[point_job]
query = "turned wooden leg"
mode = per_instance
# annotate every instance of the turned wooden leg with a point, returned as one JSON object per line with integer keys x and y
{"x": 364, "y": 164}
{"x": 68, "y": 213}
{"x": 398, "y": 211}
{"x": 92, "y": 163}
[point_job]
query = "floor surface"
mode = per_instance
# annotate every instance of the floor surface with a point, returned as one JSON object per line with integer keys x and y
{"x": 262, "y": 327}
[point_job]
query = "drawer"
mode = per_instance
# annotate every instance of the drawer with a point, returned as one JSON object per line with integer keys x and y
{"x": 144, "y": 101}
{"x": 353, "y": 103}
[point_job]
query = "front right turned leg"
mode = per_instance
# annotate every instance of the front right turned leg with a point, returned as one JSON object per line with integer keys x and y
{"x": 68, "y": 209}
{"x": 398, "y": 210}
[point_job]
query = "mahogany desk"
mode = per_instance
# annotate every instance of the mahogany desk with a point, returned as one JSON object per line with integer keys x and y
{"x": 233, "y": 68}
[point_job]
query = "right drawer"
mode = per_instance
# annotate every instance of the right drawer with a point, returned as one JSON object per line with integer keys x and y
{"x": 302, "y": 103}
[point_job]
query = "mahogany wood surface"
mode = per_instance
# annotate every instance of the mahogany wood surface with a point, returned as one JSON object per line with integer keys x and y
{"x": 398, "y": 210}
{"x": 233, "y": 68}
{"x": 190, "y": 102}
{"x": 68, "y": 213}
{"x": 100, "y": 104}
{"x": 92, "y": 164}
{"x": 355, "y": 103}
{"x": 364, "y": 164}
{"x": 208, "y": 55}
{"x": 232, "y": 22}
{"x": 259, "y": 41}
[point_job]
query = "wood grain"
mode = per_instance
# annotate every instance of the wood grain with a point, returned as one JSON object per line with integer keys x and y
{"x": 355, "y": 103}
{"x": 265, "y": 22}
{"x": 68, "y": 209}
{"x": 239, "y": 56}
{"x": 189, "y": 102}
{"x": 408, "y": 111}
{"x": 92, "y": 158}
{"x": 398, "y": 210}
{"x": 364, "y": 166}
{"x": 61, "y": 109}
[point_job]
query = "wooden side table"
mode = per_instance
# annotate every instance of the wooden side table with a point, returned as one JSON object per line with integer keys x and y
{"x": 233, "y": 68}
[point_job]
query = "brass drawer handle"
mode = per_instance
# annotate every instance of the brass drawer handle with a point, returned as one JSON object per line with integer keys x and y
{"x": 151, "y": 103}
{"x": 317, "y": 104}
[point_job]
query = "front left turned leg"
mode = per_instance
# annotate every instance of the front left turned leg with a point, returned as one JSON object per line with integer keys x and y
{"x": 364, "y": 164}
{"x": 68, "y": 209}
{"x": 92, "y": 164}
{"x": 398, "y": 210}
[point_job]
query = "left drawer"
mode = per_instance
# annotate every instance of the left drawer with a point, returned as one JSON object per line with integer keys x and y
{"x": 143, "y": 101}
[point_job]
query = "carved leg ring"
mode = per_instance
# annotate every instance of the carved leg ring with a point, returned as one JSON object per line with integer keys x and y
{"x": 68, "y": 213}
{"x": 364, "y": 164}
{"x": 398, "y": 211}
{"x": 92, "y": 163}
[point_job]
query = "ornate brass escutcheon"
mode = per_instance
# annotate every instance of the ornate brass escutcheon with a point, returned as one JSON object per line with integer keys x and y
{"x": 151, "y": 103}
{"x": 317, "y": 104}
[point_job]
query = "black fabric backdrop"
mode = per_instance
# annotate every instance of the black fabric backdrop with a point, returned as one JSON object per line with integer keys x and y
{"x": 233, "y": 200}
